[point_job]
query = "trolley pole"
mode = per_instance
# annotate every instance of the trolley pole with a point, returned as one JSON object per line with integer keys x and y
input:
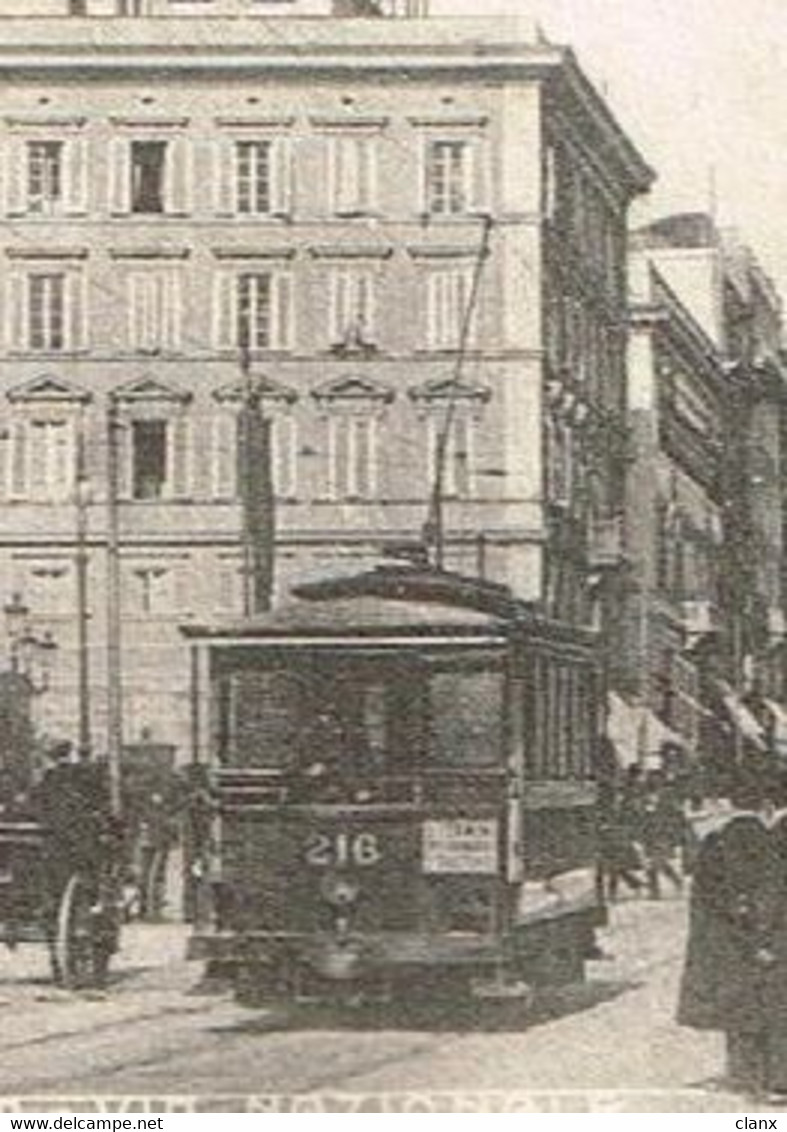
{"x": 434, "y": 530}
{"x": 82, "y": 565}
{"x": 114, "y": 654}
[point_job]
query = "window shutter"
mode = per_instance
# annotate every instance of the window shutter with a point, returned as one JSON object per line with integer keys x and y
{"x": 16, "y": 177}
{"x": 348, "y": 174}
{"x": 225, "y": 176}
{"x": 124, "y": 455}
{"x": 282, "y": 315}
{"x": 180, "y": 178}
{"x": 18, "y": 485}
{"x": 368, "y": 174}
{"x": 16, "y": 312}
{"x": 440, "y": 305}
{"x": 76, "y": 176}
{"x": 171, "y": 313}
{"x": 478, "y": 174}
{"x": 284, "y": 456}
{"x": 135, "y": 299}
{"x": 365, "y": 304}
{"x": 119, "y": 176}
{"x": 225, "y": 311}
{"x": 6, "y": 448}
{"x": 62, "y": 461}
{"x": 339, "y": 306}
{"x": 76, "y": 311}
{"x": 425, "y": 178}
{"x": 179, "y": 438}
{"x": 281, "y": 176}
{"x": 224, "y": 463}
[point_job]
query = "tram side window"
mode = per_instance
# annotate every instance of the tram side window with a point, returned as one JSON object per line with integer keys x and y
{"x": 466, "y": 719}
{"x": 258, "y": 718}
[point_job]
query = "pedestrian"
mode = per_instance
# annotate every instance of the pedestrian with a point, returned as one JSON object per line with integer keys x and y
{"x": 775, "y": 997}
{"x": 619, "y": 859}
{"x": 662, "y": 834}
{"x": 723, "y": 986}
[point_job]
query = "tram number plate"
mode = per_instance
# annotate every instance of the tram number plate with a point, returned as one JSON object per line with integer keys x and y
{"x": 460, "y": 846}
{"x": 339, "y": 850}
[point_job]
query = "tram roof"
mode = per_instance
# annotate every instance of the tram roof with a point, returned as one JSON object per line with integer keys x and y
{"x": 398, "y": 602}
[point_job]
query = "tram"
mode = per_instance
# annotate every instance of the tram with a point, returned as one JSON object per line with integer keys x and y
{"x": 400, "y": 790}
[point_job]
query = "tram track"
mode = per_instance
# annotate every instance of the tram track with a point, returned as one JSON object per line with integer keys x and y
{"x": 172, "y": 1047}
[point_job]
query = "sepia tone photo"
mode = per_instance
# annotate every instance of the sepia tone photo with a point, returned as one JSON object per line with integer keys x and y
{"x": 393, "y": 500}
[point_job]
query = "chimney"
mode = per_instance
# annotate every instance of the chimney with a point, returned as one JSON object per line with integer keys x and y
{"x": 348, "y": 8}
{"x": 391, "y": 8}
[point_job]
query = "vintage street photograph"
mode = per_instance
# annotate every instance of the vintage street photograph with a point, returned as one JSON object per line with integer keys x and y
{"x": 393, "y": 555}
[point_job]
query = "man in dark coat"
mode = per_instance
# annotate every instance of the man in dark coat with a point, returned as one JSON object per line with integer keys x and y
{"x": 728, "y": 955}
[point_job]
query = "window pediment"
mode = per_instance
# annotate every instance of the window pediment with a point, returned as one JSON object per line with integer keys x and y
{"x": 265, "y": 388}
{"x": 443, "y": 390}
{"x": 149, "y": 389}
{"x": 355, "y": 391}
{"x": 48, "y": 389}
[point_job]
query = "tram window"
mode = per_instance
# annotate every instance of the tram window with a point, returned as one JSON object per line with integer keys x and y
{"x": 258, "y": 718}
{"x": 466, "y": 718}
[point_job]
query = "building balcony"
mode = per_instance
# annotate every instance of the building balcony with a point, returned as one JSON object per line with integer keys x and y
{"x": 606, "y": 543}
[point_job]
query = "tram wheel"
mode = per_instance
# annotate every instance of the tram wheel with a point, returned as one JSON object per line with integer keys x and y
{"x": 82, "y": 949}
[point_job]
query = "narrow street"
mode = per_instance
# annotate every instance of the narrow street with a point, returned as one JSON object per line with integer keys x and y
{"x": 150, "y": 1036}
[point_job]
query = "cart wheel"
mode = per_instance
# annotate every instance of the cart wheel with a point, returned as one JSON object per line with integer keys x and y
{"x": 82, "y": 947}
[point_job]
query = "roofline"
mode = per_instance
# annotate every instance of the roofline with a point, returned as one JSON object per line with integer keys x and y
{"x": 486, "y": 52}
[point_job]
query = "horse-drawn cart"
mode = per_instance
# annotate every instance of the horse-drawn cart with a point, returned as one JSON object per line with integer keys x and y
{"x": 60, "y": 874}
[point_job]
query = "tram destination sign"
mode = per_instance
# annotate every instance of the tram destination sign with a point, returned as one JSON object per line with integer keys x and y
{"x": 461, "y": 845}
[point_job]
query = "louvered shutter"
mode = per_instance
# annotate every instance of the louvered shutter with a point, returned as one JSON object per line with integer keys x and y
{"x": 119, "y": 176}
{"x": 367, "y": 171}
{"x": 365, "y": 304}
{"x": 6, "y": 449}
{"x": 225, "y": 177}
{"x": 18, "y": 481}
{"x": 16, "y": 179}
{"x": 76, "y": 312}
{"x": 124, "y": 456}
{"x": 180, "y": 176}
{"x": 171, "y": 310}
{"x": 478, "y": 156}
{"x": 16, "y": 311}
{"x": 225, "y": 311}
{"x": 136, "y": 301}
{"x": 339, "y": 306}
{"x": 281, "y": 176}
{"x": 76, "y": 176}
{"x": 224, "y": 463}
{"x": 179, "y": 439}
{"x": 282, "y": 313}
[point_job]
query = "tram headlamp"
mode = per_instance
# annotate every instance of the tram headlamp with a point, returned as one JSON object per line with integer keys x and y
{"x": 339, "y": 892}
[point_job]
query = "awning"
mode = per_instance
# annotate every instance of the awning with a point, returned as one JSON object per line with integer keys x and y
{"x": 742, "y": 717}
{"x": 779, "y": 715}
{"x": 623, "y": 723}
{"x": 637, "y": 733}
{"x": 657, "y": 733}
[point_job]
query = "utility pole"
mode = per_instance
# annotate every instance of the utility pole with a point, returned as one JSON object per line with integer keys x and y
{"x": 256, "y": 487}
{"x": 114, "y": 654}
{"x": 81, "y": 562}
{"x": 434, "y": 528}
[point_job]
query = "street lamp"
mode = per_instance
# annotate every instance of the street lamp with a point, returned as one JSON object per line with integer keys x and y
{"x": 31, "y": 656}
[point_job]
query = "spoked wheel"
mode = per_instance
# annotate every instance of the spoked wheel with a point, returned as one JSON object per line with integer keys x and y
{"x": 85, "y": 938}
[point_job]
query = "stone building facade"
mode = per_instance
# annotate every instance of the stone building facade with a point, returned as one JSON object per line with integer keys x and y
{"x": 330, "y": 192}
{"x": 705, "y": 523}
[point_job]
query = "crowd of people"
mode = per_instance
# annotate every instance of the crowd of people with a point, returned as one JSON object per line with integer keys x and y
{"x": 645, "y": 834}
